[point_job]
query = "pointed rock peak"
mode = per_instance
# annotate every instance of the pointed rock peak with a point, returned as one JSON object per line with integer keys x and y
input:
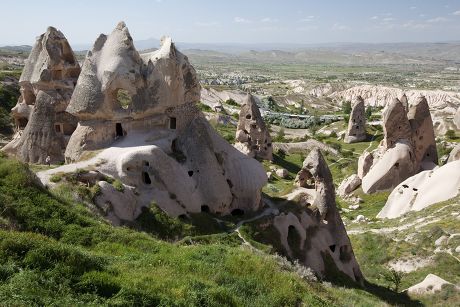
{"x": 419, "y": 109}
{"x": 166, "y": 42}
{"x": 317, "y": 166}
{"x": 394, "y": 107}
{"x": 121, "y": 25}
{"x": 358, "y": 99}
{"x": 51, "y": 29}
{"x": 403, "y": 98}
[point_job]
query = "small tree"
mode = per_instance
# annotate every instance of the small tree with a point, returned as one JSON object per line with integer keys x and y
{"x": 368, "y": 112}
{"x": 394, "y": 277}
{"x": 346, "y": 107}
{"x": 450, "y": 134}
{"x": 280, "y": 135}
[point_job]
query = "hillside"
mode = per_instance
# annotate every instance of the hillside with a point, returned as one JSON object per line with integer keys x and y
{"x": 54, "y": 250}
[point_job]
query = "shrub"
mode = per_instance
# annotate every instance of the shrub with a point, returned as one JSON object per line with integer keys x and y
{"x": 55, "y": 178}
{"x": 118, "y": 185}
{"x": 450, "y": 134}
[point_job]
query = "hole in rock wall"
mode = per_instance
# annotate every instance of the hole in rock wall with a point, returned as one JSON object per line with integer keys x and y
{"x": 397, "y": 164}
{"x": 172, "y": 123}
{"x": 190, "y": 173}
{"x": 248, "y": 116}
{"x": 230, "y": 184}
{"x": 118, "y": 130}
{"x": 146, "y": 163}
{"x": 123, "y": 98}
{"x": 332, "y": 247}
{"x": 22, "y": 122}
{"x": 68, "y": 129}
{"x": 146, "y": 178}
{"x": 237, "y": 212}
{"x": 57, "y": 128}
{"x": 204, "y": 208}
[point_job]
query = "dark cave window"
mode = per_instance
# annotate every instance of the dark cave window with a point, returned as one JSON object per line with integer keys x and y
{"x": 332, "y": 247}
{"x": 190, "y": 173}
{"x": 204, "y": 208}
{"x": 248, "y": 116}
{"x": 57, "y": 128}
{"x": 237, "y": 212}
{"x": 172, "y": 123}
{"x": 146, "y": 178}
{"x": 118, "y": 129}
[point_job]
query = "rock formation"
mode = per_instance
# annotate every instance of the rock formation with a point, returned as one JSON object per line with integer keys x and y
{"x": 252, "y": 136}
{"x": 422, "y": 190}
{"x": 457, "y": 119}
{"x": 408, "y": 147}
{"x": 405, "y": 102}
{"x": 431, "y": 284}
{"x": 141, "y": 110}
{"x": 348, "y": 185}
{"x": 364, "y": 163}
{"x": 454, "y": 155}
{"x": 47, "y": 83}
{"x": 315, "y": 231}
{"x": 356, "y": 131}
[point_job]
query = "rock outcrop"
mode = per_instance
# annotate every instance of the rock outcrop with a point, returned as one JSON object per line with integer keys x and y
{"x": 454, "y": 155}
{"x": 356, "y": 131}
{"x": 430, "y": 285}
{"x": 457, "y": 119}
{"x": 40, "y": 116}
{"x": 348, "y": 185}
{"x": 252, "y": 136}
{"x": 422, "y": 190}
{"x": 408, "y": 147}
{"x": 142, "y": 111}
{"x": 314, "y": 233}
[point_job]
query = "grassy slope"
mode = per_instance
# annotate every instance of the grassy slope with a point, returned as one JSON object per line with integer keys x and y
{"x": 54, "y": 251}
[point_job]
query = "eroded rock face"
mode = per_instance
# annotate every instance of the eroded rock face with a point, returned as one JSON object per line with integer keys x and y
{"x": 422, "y": 190}
{"x": 457, "y": 119}
{"x": 252, "y": 136}
{"x": 158, "y": 143}
{"x": 454, "y": 155}
{"x": 314, "y": 234}
{"x": 365, "y": 163}
{"x": 356, "y": 131}
{"x": 348, "y": 185}
{"x": 47, "y": 83}
{"x": 422, "y": 132}
{"x": 409, "y": 146}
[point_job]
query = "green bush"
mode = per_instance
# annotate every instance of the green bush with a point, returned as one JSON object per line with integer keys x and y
{"x": 118, "y": 185}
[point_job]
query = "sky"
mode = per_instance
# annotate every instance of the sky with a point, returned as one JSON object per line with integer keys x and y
{"x": 236, "y": 21}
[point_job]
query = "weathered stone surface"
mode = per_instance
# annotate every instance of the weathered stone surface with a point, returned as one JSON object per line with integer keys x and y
{"x": 423, "y": 139}
{"x": 409, "y": 146}
{"x": 252, "y": 136}
{"x": 396, "y": 164}
{"x": 348, "y": 185}
{"x": 454, "y": 155}
{"x": 396, "y": 125}
{"x": 422, "y": 190}
{"x": 282, "y": 173}
{"x": 47, "y": 83}
{"x": 405, "y": 102}
{"x": 356, "y": 131}
{"x": 431, "y": 284}
{"x": 365, "y": 163}
{"x": 142, "y": 112}
{"x": 329, "y": 239}
{"x": 457, "y": 118}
